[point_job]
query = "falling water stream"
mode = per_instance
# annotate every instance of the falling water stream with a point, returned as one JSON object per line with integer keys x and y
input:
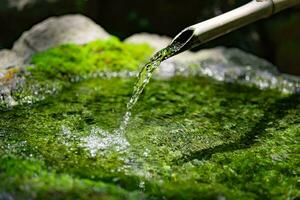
{"x": 102, "y": 140}
{"x": 144, "y": 78}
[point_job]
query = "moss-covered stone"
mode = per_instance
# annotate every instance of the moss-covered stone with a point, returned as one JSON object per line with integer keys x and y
{"x": 108, "y": 56}
{"x": 190, "y": 137}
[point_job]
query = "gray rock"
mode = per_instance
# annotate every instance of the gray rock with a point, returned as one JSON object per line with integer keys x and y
{"x": 156, "y": 41}
{"x": 21, "y": 4}
{"x": 9, "y": 58}
{"x": 54, "y": 31}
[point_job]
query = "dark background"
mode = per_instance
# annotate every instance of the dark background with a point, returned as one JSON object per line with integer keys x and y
{"x": 277, "y": 39}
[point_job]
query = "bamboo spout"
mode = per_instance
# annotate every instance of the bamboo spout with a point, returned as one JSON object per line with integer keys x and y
{"x": 203, "y": 32}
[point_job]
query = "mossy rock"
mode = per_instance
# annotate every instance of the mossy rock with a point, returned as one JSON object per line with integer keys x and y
{"x": 99, "y": 56}
{"x": 190, "y": 137}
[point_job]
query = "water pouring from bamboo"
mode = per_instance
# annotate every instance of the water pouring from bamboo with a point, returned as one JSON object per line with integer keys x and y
{"x": 253, "y": 11}
{"x": 198, "y": 34}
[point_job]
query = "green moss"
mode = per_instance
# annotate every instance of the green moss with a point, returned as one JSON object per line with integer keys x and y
{"x": 29, "y": 179}
{"x": 190, "y": 138}
{"x": 72, "y": 60}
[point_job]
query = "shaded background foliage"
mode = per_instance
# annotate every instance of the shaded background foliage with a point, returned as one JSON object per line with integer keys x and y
{"x": 276, "y": 39}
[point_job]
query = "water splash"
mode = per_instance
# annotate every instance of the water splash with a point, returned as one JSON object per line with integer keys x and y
{"x": 100, "y": 140}
{"x": 97, "y": 141}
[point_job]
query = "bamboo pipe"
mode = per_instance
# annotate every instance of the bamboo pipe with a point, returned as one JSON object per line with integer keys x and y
{"x": 203, "y": 32}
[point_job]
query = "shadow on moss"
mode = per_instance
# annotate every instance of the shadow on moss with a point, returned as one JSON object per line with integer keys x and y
{"x": 272, "y": 114}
